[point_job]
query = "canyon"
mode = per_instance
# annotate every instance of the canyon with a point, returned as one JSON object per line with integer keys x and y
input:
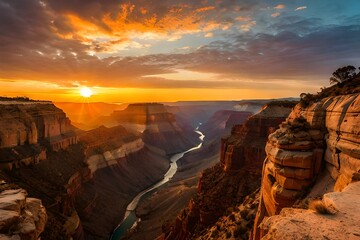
{"x": 235, "y": 176}
{"x": 84, "y": 178}
{"x": 309, "y": 170}
{"x": 264, "y": 167}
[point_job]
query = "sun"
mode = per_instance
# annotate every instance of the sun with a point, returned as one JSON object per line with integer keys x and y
{"x": 86, "y": 92}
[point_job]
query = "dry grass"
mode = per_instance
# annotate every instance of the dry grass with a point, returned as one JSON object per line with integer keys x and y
{"x": 319, "y": 207}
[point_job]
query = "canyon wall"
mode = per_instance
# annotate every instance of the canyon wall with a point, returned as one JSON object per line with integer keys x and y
{"x": 84, "y": 184}
{"x": 236, "y": 176}
{"x": 27, "y": 128}
{"x": 159, "y": 127}
{"x": 221, "y": 122}
{"x": 244, "y": 147}
{"x": 322, "y": 137}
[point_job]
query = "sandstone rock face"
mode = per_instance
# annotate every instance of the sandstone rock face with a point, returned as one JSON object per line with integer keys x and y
{"x": 159, "y": 127}
{"x": 308, "y": 224}
{"x": 323, "y": 134}
{"x": 25, "y": 128}
{"x": 21, "y": 217}
{"x": 245, "y": 144}
{"x": 111, "y": 157}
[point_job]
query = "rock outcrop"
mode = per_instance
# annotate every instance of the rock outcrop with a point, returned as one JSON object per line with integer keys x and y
{"x": 236, "y": 176}
{"x": 105, "y": 146}
{"x": 21, "y": 217}
{"x": 26, "y": 128}
{"x": 325, "y": 135}
{"x": 159, "y": 127}
{"x": 342, "y": 223}
{"x": 244, "y": 147}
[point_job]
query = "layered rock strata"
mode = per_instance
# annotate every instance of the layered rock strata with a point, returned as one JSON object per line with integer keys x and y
{"x": 21, "y": 217}
{"x": 244, "y": 147}
{"x": 323, "y": 134}
{"x": 26, "y": 128}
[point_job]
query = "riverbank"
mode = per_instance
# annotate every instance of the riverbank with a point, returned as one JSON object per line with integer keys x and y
{"x": 130, "y": 220}
{"x": 164, "y": 205}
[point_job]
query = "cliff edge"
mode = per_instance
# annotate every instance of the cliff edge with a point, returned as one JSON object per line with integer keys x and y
{"x": 315, "y": 151}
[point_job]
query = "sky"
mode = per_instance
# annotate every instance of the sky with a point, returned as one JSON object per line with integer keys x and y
{"x": 171, "y": 50}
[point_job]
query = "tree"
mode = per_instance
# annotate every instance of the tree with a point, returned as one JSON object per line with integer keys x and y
{"x": 343, "y": 74}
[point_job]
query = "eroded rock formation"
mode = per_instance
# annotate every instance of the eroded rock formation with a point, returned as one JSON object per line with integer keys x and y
{"x": 21, "y": 217}
{"x": 244, "y": 147}
{"x": 343, "y": 223}
{"x": 323, "y": 134}
{"x": 26, "y": 128}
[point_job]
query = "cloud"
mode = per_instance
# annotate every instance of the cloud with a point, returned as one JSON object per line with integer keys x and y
{"x": 247, "y": 26}
{"x": 57, "y": 42}
{"x": 275, "y": 14}
{"x": 204, "y": 9}
{"x": 279, "y": 6}
{"x": 300, "y": 8}
{"x": 135, "y": 18}
{"x": 209, "y": 35}
{"x": 242, "y": 18}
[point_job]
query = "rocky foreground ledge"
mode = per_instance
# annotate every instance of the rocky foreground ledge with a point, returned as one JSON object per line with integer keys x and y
{"x": 21, "y": 217}
{"x": 341, "y": 222}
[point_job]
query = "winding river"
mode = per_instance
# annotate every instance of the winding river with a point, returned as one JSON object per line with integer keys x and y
{"x": 130, "y": 220}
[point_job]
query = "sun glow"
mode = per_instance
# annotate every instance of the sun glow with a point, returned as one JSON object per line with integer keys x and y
{"x": 86, "y": 92}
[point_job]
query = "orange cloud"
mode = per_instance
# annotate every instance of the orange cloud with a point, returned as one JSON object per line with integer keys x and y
{"x": 279, "y": 6}
{"x": 204, "y": 9}
{"x": 209, "y": 35}
{"x": 242, "y": 18}
{"x": 275, "y": 14}
{"x": 247, "y": 26}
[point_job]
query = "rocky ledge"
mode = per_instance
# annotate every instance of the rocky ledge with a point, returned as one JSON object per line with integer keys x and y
{"x": 21, "y": 217}
{"x": 335, "y": 217}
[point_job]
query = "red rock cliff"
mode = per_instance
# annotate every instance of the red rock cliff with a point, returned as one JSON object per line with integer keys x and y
{"x": 323, "y": 136}
{"x": 26, "y": 128}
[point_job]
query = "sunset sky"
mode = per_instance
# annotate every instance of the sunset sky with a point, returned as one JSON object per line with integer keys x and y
{"x": 169, "y": 50}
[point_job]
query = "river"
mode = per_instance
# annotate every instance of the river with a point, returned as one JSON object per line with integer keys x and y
{"x": 130, "y": 220}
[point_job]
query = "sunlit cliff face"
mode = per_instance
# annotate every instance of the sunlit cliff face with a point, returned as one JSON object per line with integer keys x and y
{"x": 140, "y": 50}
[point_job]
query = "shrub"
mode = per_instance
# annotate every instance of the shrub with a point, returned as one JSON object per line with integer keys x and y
{"x": 319, "y": 207}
